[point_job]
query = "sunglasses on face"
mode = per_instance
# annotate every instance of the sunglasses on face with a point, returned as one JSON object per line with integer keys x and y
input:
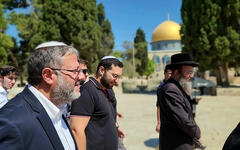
{"x": 84, "y": 71}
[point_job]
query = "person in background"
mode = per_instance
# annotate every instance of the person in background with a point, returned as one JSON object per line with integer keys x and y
{"x": 33, "y": 119}
{"x": 8, "y": 77}
{"x": 178, "y": 129}
{"x": 83, "y": 66}
{"x": 93, "y": 114}
{"x": 82, "y": 80}
{"x": 167, "y": 75}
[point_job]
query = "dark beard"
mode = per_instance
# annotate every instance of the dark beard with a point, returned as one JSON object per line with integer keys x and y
{"x": 104, "y": 81}
{"x": 81, "y": 82}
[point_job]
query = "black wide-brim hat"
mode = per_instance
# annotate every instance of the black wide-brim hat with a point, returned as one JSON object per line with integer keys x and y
{"x": 183, "y": 59}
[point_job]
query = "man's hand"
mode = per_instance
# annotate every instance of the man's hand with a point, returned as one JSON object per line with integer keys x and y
{"x": 121, "y": 134}
{"x": 158, "y": 127}
{"x": 197, "y": 100}
{"x": 119, "y": 115}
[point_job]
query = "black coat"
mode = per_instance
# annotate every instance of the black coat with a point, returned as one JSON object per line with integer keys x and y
{"x": 178, "y": 127}
{"x": 25, "y": 125}
{"x": 233, "y": 141}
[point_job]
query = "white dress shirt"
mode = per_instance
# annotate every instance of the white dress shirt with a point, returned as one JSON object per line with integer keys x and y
{"x": 3, "y": 97}
{"x": 55, "y": 115}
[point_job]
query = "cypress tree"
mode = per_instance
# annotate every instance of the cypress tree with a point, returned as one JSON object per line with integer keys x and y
{"x": 140, "y": 46}
{"x": 210, "y": 32}
{"x": 107, "y": 38}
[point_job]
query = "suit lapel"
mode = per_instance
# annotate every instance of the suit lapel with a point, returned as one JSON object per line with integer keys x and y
{"x": 43, "y": 118}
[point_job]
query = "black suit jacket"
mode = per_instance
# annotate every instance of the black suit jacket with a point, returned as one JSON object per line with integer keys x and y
{"x": 178, "y": 127}
{"x": 25, "y": 125}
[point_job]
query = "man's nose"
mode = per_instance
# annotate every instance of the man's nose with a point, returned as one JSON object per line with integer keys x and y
{"x": 191, "y": 75}
{"x": 13, "y": 81}
{"x": 81, "y": 76}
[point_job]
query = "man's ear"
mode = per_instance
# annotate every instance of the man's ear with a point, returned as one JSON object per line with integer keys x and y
{"x": 1, "y": 78}
{"x": 47, "y": 75}
{"x": 101, "y": 70}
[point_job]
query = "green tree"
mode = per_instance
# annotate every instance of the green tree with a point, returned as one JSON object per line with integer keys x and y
{"x": 129, "y": 53}
{"x": 5, "y": 41}
{"x": 107, "y": 38}
{"x": 118, "y": 54}
{"x": 73, "y": 22}
{"x": 150, "y": 68}
{"x": 8, "y": 46}
{"x": 140, "y": 46}
{"x": 11, "y": 4}
{"x": 210, "y": 32}
{"x": 128, "y": 60}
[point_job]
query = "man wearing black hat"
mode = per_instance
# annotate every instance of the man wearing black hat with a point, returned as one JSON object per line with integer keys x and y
{"x": 178, "y": 127}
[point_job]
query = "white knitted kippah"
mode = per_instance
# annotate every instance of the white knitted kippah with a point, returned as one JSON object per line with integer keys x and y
{"x": 50, "y": 44}
{"x": 108, "y": 57}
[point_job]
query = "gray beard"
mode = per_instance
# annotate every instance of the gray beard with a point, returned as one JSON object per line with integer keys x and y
{"x": 63, "y": 93}
{"x": 186, "y": 85}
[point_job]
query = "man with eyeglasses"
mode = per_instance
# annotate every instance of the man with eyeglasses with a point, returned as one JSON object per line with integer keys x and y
{"x": 8, "y": 77}
{"x": 33, "y": 119}
{"x": 93, "y": 115}
{"x": 178, "y": 130}
{"x": 83, "y": 67}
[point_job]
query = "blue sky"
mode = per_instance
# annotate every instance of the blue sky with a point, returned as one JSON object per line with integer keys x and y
{"x": 126, "y": 16}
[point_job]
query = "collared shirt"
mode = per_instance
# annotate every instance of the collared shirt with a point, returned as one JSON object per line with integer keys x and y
{"x": 3, "y": 96}
{"x": 55, "y": 115}
{"x": 101, "y": 132}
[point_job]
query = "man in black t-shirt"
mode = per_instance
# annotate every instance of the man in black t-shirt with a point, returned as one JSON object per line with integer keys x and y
{"x": 93, "y": 116}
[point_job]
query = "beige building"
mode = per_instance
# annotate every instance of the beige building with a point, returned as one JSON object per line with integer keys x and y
{"x": 166, "y": 41}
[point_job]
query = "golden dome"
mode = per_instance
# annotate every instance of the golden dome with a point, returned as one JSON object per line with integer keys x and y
{"x": 168, "y": 30}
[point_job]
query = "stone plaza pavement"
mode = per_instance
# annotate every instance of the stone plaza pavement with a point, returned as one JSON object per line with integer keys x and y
{"x": 217, "y": 116}
{"x": 139, "y": 121}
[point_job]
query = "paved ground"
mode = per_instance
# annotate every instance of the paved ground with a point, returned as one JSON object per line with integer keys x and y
{"x": 216, "y": 116}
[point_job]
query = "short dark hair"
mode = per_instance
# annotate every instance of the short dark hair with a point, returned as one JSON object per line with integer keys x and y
{"x": 176, "y": 67}
{"x": 107, "y": 64}
{"x": 167, "y": 67}
{"x": 82, "y": 61}
{"x": 7, "y": 69}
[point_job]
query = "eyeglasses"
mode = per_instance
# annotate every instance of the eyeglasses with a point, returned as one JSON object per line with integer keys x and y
{"x": 84, "y": 71}
{"x": 76, "y": 72}
{"x": 115, "y": 76}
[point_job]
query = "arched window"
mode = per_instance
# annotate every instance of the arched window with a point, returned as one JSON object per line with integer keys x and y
{"x": 166, "y": 59}
{"x": 156, "y": 59}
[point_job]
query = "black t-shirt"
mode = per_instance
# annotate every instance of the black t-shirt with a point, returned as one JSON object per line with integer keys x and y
{"x": 101, "y": 131}
{"x": 158, "y": 92}
{"x": 111, "y": 97}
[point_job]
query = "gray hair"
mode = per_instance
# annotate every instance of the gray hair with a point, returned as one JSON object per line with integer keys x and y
{"x": 46, "y": 57}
